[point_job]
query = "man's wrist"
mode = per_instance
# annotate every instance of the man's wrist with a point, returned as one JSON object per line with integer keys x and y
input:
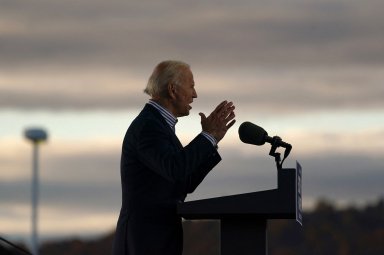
{"x": 210, "y": 137}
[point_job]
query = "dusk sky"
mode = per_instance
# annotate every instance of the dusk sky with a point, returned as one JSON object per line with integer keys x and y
{"x": 311, "y": 72}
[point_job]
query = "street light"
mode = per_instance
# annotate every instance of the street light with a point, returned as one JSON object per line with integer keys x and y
{"x": 36, "y": 136}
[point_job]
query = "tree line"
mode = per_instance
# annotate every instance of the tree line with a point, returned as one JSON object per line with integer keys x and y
{"x": 326, "y": 230}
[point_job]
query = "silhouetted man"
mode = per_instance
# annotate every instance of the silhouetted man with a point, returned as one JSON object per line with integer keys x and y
{"x": 157, "y": 172}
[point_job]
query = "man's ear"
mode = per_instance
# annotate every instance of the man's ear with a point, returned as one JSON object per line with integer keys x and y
{"x": 172, "y": 90}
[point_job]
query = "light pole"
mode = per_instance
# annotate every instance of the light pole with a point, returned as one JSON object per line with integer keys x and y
{"x": 36, "y": 136}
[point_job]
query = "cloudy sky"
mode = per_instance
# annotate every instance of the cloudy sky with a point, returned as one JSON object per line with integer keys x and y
{"x": 311, "y": 72}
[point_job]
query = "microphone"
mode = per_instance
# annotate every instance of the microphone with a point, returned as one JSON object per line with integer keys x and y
{"x": 253, "y": 134}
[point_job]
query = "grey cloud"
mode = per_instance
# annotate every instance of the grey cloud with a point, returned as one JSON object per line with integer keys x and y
{"x": 80, "y": 181}
{"x": 350, "y": 179}
{"x": 27, "y": 100}
{"x": 296, "y": 35}
{"x": 91, "y": 182}
{"x": 288, "y": 91}
{"x": 283, "y": 91}
{"x": 83, "y": 197}
{"x": 99, "y": 168}
{"x": 286, "y": 33}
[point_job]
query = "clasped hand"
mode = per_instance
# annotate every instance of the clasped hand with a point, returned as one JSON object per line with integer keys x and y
{"x": 219, "y": 121}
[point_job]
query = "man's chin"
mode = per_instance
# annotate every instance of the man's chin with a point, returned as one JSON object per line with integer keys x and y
{"x": 186, "y": 113}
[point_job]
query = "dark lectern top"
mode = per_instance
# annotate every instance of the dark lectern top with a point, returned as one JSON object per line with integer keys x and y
{"x": 280, "y": 203}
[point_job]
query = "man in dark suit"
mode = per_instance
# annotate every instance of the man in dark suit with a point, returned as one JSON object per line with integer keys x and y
{"x": 157, "y": 172}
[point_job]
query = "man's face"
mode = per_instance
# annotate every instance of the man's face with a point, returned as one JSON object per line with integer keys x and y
{"x": 185, "y": 93}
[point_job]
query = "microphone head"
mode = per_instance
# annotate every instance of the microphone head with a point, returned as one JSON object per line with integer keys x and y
{"x": 252, "y": 134}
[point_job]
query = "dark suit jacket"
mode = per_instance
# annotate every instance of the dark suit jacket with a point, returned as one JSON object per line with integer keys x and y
{"x": 156, "y": 174}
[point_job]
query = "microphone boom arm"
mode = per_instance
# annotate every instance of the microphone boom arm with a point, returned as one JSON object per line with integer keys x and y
{"x": 276, "y": 142}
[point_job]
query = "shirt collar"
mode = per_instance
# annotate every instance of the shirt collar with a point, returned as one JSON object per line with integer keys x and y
{"x": 169, "y": 118}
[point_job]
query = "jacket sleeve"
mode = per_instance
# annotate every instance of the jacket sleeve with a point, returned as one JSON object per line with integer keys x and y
{"x": 157, "y": 151}
{"x": 198, "y": 176}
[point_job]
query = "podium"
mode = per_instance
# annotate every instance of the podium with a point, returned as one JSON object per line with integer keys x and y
{"x": 244, "y": 217}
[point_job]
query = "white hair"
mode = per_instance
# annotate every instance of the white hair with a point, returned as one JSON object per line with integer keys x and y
{"x": 166, "y": 72}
